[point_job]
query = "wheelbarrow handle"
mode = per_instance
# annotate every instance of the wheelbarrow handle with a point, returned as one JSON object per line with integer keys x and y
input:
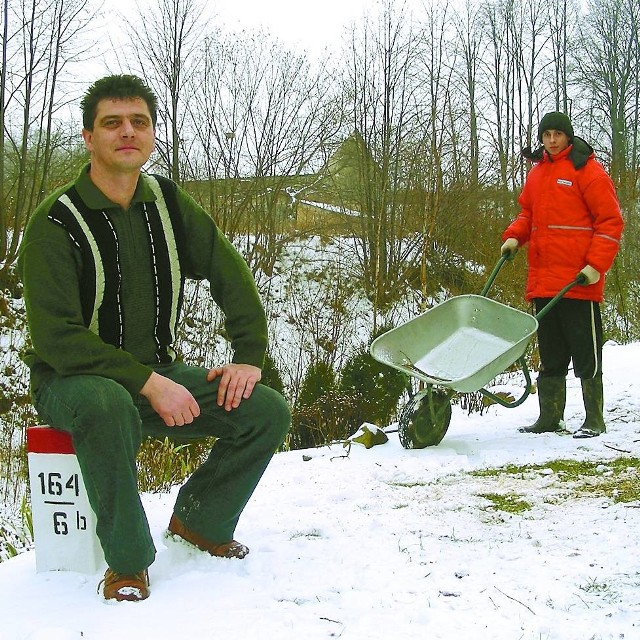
{"x": 581, "y": 279}
{"x": 503, "y": 258}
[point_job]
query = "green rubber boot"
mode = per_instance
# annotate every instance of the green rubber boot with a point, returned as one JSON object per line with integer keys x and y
{"x": 592, "y": 396}
{"x": 552, "y": 395}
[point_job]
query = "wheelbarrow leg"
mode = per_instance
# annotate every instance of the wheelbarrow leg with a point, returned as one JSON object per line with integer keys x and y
{"x": 552, "y": 394}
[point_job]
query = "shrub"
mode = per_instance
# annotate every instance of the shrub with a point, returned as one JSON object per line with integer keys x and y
{"x": 271, "y": 376}
{"x": 330, "y": 418}
{"x": 319, "y": 380}
{"x": 318, "y": 416}
{"x": 376, "y": 387}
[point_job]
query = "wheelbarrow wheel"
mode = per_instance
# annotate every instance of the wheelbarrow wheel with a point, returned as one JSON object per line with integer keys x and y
{"x": 425, "y": 419}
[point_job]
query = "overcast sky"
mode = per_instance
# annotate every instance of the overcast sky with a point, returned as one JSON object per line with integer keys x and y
{"x": 311, "y": 25}
{"x": 302, "y": 25}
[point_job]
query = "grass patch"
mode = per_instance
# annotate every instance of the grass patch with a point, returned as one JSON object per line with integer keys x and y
{"x": 510, "y": 502}
{"x": 309, "y": 535}
{"x": 617, "y": 479}
{"x": 163, "y": 464}
{"x": 602, "y": 590}
{"x": 409, "y": 485}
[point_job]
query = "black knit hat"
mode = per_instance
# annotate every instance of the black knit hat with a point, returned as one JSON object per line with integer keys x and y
{"x": 557, "y": 121}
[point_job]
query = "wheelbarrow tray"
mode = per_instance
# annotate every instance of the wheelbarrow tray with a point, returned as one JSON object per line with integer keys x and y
{"x": 462, "y": 343}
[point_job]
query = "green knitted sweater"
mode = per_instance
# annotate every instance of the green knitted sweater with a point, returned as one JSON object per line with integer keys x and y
{"x": 51, "y": 266}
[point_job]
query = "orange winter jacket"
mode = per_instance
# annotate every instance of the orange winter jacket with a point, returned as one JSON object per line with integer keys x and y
{"x": 570, "y": 217}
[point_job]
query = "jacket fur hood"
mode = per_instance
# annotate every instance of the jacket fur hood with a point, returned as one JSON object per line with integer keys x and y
{"x": 580, "y": 152}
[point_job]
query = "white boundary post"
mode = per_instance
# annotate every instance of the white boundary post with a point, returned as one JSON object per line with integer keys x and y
{"x": 64, "y": 525}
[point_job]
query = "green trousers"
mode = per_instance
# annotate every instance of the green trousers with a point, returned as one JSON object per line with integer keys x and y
{"x": 107, "y": 426}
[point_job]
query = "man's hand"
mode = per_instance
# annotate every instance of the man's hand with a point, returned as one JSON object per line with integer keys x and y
{"x": 170, "y": 400}
{"x": 509, "y": 248}
{"x": 590, "y": 274}
{"x": 237, "y": 383}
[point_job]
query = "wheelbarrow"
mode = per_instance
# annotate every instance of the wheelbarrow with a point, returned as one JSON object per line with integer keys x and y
{"x": 459, "y": 345}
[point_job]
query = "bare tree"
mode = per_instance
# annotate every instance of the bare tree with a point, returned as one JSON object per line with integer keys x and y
{"x": 470, "y": 43}
{"x": 517, "y": 78}
{"x": 608, "y": 66}
{"x": 563, "y": 34}
{"x": 384, "y": 97}
{"x": 40, "y": 40}
{"x": 441, "y": 168}
{"x": 497, "y": 81}
{"x": 259, "y": 112}
{"x": 529, "y": 36}
{"x": 165, "y": 48}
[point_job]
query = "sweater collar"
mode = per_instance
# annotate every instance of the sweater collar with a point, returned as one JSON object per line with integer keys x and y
{"x": 95, "y": 199}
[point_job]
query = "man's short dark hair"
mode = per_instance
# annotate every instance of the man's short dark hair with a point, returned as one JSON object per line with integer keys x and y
{"x": 118, "y": 87}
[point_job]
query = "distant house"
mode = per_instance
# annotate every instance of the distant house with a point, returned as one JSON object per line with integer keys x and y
{"x": 339, "y": 195}
{"x": 331, "y": 200}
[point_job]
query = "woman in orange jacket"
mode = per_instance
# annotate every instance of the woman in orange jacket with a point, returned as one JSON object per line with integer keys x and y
{"x": 570, "y": 218}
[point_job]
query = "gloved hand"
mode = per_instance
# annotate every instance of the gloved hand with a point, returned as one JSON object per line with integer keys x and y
{"x": 592, "y": 276}
{"x": 509, "y": 248}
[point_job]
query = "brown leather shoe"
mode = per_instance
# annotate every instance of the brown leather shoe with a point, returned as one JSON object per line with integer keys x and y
{"x": 120, "y": 586}
{"x": 231, "y": 549}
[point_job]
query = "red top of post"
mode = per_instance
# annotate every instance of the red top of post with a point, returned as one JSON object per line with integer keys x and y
{"x": 44, "y": 439}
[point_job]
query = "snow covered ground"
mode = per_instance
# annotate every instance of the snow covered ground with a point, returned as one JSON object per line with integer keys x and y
{"x": 389, "y": 543}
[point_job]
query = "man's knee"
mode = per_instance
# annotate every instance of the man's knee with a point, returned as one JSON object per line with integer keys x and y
{"x": 274, "y": 411}
{"x": 104, "y": 403}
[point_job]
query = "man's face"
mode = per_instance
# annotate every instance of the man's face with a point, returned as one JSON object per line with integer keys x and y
{"x": 123, "y": 136}
{"x": 554, "y": 141}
